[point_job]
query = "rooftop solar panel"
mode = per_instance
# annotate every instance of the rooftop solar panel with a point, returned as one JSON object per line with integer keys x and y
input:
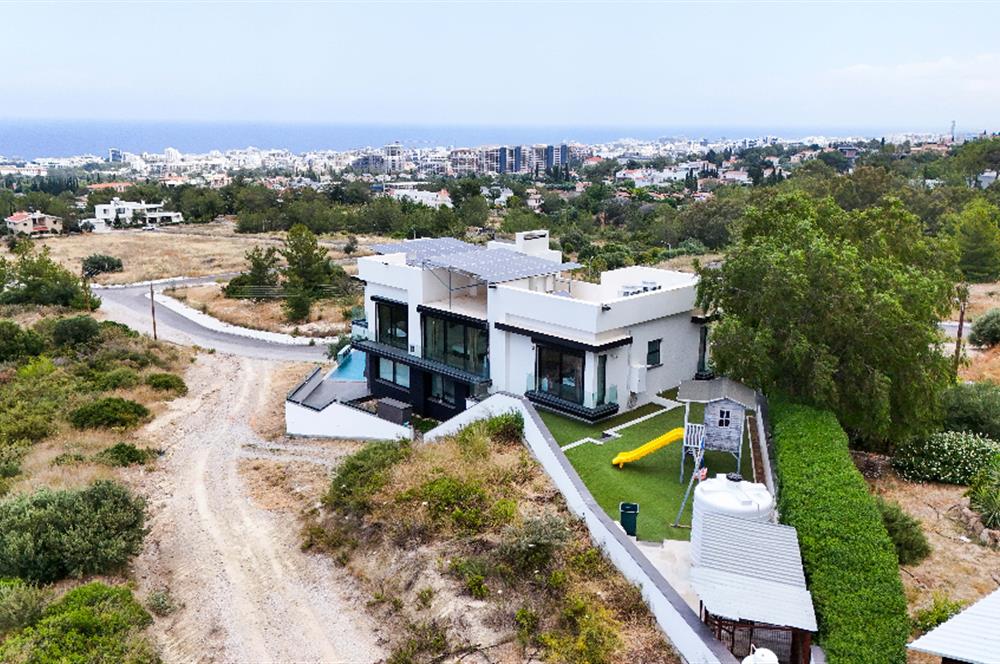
{"x": 417, "y": 251}
{"x": 499, "y": 265}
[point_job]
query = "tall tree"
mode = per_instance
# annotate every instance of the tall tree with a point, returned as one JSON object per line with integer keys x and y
{"x": 837, "y": 309}
{"x": 978, "y": 228}
{"x": 307, "y": 266}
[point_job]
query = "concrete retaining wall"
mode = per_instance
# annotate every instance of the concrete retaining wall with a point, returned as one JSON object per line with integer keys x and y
{"x": 346, "y": 421}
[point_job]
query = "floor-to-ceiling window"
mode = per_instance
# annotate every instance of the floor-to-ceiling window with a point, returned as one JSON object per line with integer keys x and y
{"x": 560, "y": 373}
{"x": 456, "y": 344}
{"x": 392, "y": 320}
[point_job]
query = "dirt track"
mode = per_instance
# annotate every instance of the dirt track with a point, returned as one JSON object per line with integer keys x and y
{"x": 248, "y": 593}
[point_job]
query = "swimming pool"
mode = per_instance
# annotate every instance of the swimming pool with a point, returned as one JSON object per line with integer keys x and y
{"x": 352, "y": 367}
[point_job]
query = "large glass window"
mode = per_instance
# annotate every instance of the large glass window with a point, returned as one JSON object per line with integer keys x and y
{"x": 443, "y": 389}
{"x": 392, "y": 324}
{"x": 393, "y": 372}
{"x": 456, "y": 344}
{"x": 560, "y": 373}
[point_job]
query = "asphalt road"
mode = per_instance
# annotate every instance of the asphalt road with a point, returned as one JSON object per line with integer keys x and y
{"x": 130, "y": 305}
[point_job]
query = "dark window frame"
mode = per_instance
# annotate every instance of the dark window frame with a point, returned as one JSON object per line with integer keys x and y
{"x": 469, "y": 362}
{"x": 442, "y": 396}
{"x": 396, "y": 313}
{"x": 725, "y": 417}
{"x": 563, "y": 355}
{"x": 395, "y": 373}
{"x": 654, "y": 357}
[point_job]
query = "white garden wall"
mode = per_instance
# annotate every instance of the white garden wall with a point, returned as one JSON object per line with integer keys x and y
{"x": 345, "y": 421}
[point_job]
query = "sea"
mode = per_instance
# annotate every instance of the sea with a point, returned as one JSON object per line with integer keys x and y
{"x": 32, "y": 139}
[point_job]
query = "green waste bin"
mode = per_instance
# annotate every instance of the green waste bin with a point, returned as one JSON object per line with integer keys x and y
{"x": 629, "y": 516}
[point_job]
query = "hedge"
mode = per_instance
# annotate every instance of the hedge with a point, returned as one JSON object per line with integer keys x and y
{"x": 849, "y": 560}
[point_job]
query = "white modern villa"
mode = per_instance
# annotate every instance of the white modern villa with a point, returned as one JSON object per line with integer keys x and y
{"x": 105, "y": 214}
{"x": 448, "y": 322}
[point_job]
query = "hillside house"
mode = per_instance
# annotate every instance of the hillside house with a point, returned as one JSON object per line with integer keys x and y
{"x": 34, "y": 223}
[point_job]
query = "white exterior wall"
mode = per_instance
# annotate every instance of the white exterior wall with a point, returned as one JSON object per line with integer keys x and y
{"x": 345, "y": 421}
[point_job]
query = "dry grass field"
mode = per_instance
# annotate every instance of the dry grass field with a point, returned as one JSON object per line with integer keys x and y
{"x": 192, "y": 250}
{"x": 326, "y": 318}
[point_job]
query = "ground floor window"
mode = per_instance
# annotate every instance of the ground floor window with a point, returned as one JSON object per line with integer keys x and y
{"x": 653, "y": 352}
{"x": 560, "y": 373}
{"x": 443, "y": 389}
{"x": 393, "y": 372}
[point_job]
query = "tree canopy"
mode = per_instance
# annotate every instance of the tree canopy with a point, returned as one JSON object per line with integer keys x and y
{"x": 837, "y": 309}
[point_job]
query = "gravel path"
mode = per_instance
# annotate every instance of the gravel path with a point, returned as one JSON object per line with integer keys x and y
{"x": 248, "y": 593}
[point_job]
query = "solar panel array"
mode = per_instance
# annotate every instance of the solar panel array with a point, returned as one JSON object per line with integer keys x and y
{"x": 499, "y": 265}
{"x": 418, "y": 251}
{"x": 489, "y": 265}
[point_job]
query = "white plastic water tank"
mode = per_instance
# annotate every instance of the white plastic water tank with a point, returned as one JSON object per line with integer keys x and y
{"x": 760, "y": 656}
{"x": 730, "y": 495}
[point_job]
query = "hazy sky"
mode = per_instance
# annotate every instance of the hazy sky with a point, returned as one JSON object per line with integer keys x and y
{"x": 837, "y": 64}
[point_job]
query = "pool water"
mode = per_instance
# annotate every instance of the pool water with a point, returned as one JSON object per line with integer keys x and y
{"x": 352, "y": 367}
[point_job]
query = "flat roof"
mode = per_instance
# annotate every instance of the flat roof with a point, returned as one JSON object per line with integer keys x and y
{"x": 972, "y": 636}
{"x": 749, "y": 570}
{"x": 492, "y": 265}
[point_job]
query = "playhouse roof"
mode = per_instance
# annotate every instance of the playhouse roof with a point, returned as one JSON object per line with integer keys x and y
{"x": 704, "y": 391}
{"x": 971, "y": 636}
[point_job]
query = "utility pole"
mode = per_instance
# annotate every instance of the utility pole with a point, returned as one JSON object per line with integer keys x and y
{"x": 963, "y": 299}
{"x": 152, "y": 309}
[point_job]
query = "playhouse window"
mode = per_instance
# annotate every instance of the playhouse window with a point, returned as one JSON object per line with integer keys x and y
{"x": 724, "y": 418}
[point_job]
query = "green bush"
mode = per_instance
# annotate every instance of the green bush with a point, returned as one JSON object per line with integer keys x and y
{"x": 114, "y": 379}
{"x": 167, "y": 382}
{"x": 973, "y": 407}
{"x": 506, "y": 427}
{"x": 940, "y": 610}
{"x": 108, "y": 412}
{"x": 124, "y": 454}
{"x": 93, "y": 623}
{"x": 297, "y": 305}
{"x": 986, "y": 329}
{"x": 588, "y": 634}
{"x": 461, "y": 503}
{"x": 16, "y": 343}
{"x": 530, "y": 548}
{"x": 984, "y": 493}
{"x": 906, "y": 533}
{"x": 952, "y": 457}
{"x": 849, "y": 559}
{"x": 21, "y": 604}
{"x": 363, "y": 473}
{"x": 50, "y": 535}
{"x": 34, "y": 278}
{"x": 96, "y": 264}
{"x": 75, "y": 331}
{"x": 112, "y": 328}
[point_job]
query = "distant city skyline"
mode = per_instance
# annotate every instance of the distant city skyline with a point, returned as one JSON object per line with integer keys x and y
{"x": 907, "y": 66}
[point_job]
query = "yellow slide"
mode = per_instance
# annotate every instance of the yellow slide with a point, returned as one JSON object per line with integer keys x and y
{"x": 671, "y": 436}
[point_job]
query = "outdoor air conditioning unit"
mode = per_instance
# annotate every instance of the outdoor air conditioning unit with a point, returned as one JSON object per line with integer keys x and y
{"x": 630, "y": 290}
{"x": 650, "y": 286}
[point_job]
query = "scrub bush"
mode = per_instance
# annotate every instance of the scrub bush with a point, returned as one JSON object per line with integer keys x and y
{"x": 906, "y": 533}
{"x": 21, "y": 604}
{"x": 984, "y": 493}
{"x": 973, "y": 407}
{"x": 953, "y": 457}
{"x": 96, "y": 264}
{"x": 124, "y": 454}
{"x": 940, "y": 610}
{"x": 849, "y": 559}
{"x": 986, "y": 329}
{"x": 363, "y": 473}
{"x": 75, "y": 331}
{"x": 167, "y": 382}
{"x": 93, "y": 623}
{"x": 531, "y": 547}
{"x": 51, "y": 535}
{"x": 17, "y": 343}
{"x": 108, "y": 412}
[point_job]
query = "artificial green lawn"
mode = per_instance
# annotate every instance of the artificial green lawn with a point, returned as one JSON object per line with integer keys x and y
{"x": 652, "y": 481}
{"x": 567, "y": 430}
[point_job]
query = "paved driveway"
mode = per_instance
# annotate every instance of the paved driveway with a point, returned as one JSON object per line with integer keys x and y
{"x": 130, "y": 305}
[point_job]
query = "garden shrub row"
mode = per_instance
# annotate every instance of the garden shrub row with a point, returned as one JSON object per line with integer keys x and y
{"x": 849, "y": 559}
{"x": 953, "y": 457}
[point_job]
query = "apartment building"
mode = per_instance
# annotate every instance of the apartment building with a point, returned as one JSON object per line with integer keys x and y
{"x": 448, "y": 322}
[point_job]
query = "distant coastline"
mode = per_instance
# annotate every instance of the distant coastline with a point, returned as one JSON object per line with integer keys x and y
{"x": 31, "y": 139}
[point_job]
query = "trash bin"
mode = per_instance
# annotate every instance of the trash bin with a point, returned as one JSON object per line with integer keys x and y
{"x": 629, "y": 516}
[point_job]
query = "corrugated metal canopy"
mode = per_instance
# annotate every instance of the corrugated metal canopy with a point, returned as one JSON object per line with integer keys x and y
{"x": 499, "y": 265}
{"x": 704, "y": 391}
{"x": 418, "y": 251}
{"x": 752, "y": 571}
{"x": 972, "y": 636}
